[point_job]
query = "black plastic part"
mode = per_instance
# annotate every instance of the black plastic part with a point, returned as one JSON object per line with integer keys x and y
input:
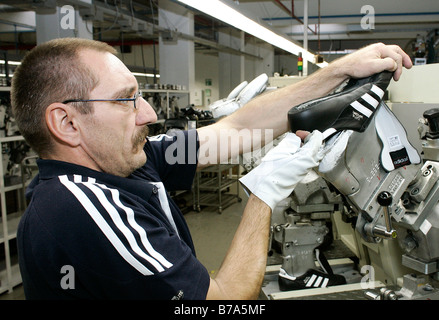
{"x": 432, "y": 116}
{"x": 384, "y": 199}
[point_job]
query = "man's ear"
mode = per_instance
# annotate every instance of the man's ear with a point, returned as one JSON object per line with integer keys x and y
{"x": 61, "y": 122}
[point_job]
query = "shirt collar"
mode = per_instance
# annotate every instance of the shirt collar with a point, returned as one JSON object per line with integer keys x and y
{"x": 49, "y": 169}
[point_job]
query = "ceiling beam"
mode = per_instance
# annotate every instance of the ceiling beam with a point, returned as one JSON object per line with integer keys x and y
{"x": 291, "y": 12}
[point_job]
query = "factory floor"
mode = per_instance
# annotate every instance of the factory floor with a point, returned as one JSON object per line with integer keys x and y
{"x": 212, "y": 234}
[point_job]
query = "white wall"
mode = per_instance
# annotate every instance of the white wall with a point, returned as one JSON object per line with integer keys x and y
{"x": 418, "y": 84}
{"x": 255, "y": 67}
{"x": 206, "y": 67}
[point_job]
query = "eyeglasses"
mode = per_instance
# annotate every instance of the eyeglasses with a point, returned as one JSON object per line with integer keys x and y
{"x": 125, "y": 101}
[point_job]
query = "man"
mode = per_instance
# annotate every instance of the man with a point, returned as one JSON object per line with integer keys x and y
{"x": 100, "y": 223}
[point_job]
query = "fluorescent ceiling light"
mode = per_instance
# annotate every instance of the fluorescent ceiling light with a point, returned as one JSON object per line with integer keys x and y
{"x": 149, "y": 75}
{"x": 15, "y": 63}
{"x": 230, "y": 15}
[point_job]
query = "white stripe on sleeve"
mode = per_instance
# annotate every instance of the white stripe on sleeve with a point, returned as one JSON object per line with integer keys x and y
{"x": 131, "y": 220}
{"x": 114, "y": 214}
{"x": 165, "y": 204}
{"x": 103, "y": 225}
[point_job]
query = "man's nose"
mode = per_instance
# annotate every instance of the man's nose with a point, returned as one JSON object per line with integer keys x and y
{"x": 145, "y": 113}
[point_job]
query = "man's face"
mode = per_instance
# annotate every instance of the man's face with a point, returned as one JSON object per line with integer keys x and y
{"x": 114, "y": 135}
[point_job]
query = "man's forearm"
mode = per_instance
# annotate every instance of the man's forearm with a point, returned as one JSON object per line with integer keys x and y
{"x": 269, "y": 111}
{"x": 242, "y": 271}
{"x": 265, "y": 117}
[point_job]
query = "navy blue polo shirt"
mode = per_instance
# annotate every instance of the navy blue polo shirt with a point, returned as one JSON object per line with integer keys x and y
{"x": 92, "y": 235}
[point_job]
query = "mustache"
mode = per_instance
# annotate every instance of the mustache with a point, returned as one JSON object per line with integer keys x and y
{"x": 139, "y": 138}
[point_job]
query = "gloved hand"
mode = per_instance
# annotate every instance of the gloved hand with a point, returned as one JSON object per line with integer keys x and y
{"x": 283, "y": 168}
{"x": 242, "y": 94}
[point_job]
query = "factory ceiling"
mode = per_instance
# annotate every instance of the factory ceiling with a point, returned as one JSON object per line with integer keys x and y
{"x": 334, "y": 26}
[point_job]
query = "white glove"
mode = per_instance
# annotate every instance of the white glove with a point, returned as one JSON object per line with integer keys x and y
{"x": 283, "y": 168}
{"x": 239, "y": 96}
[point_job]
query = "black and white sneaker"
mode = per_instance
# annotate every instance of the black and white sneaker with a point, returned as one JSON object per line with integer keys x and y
{"x": 350, "y": 109}
{"x": 310, "y": 279}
